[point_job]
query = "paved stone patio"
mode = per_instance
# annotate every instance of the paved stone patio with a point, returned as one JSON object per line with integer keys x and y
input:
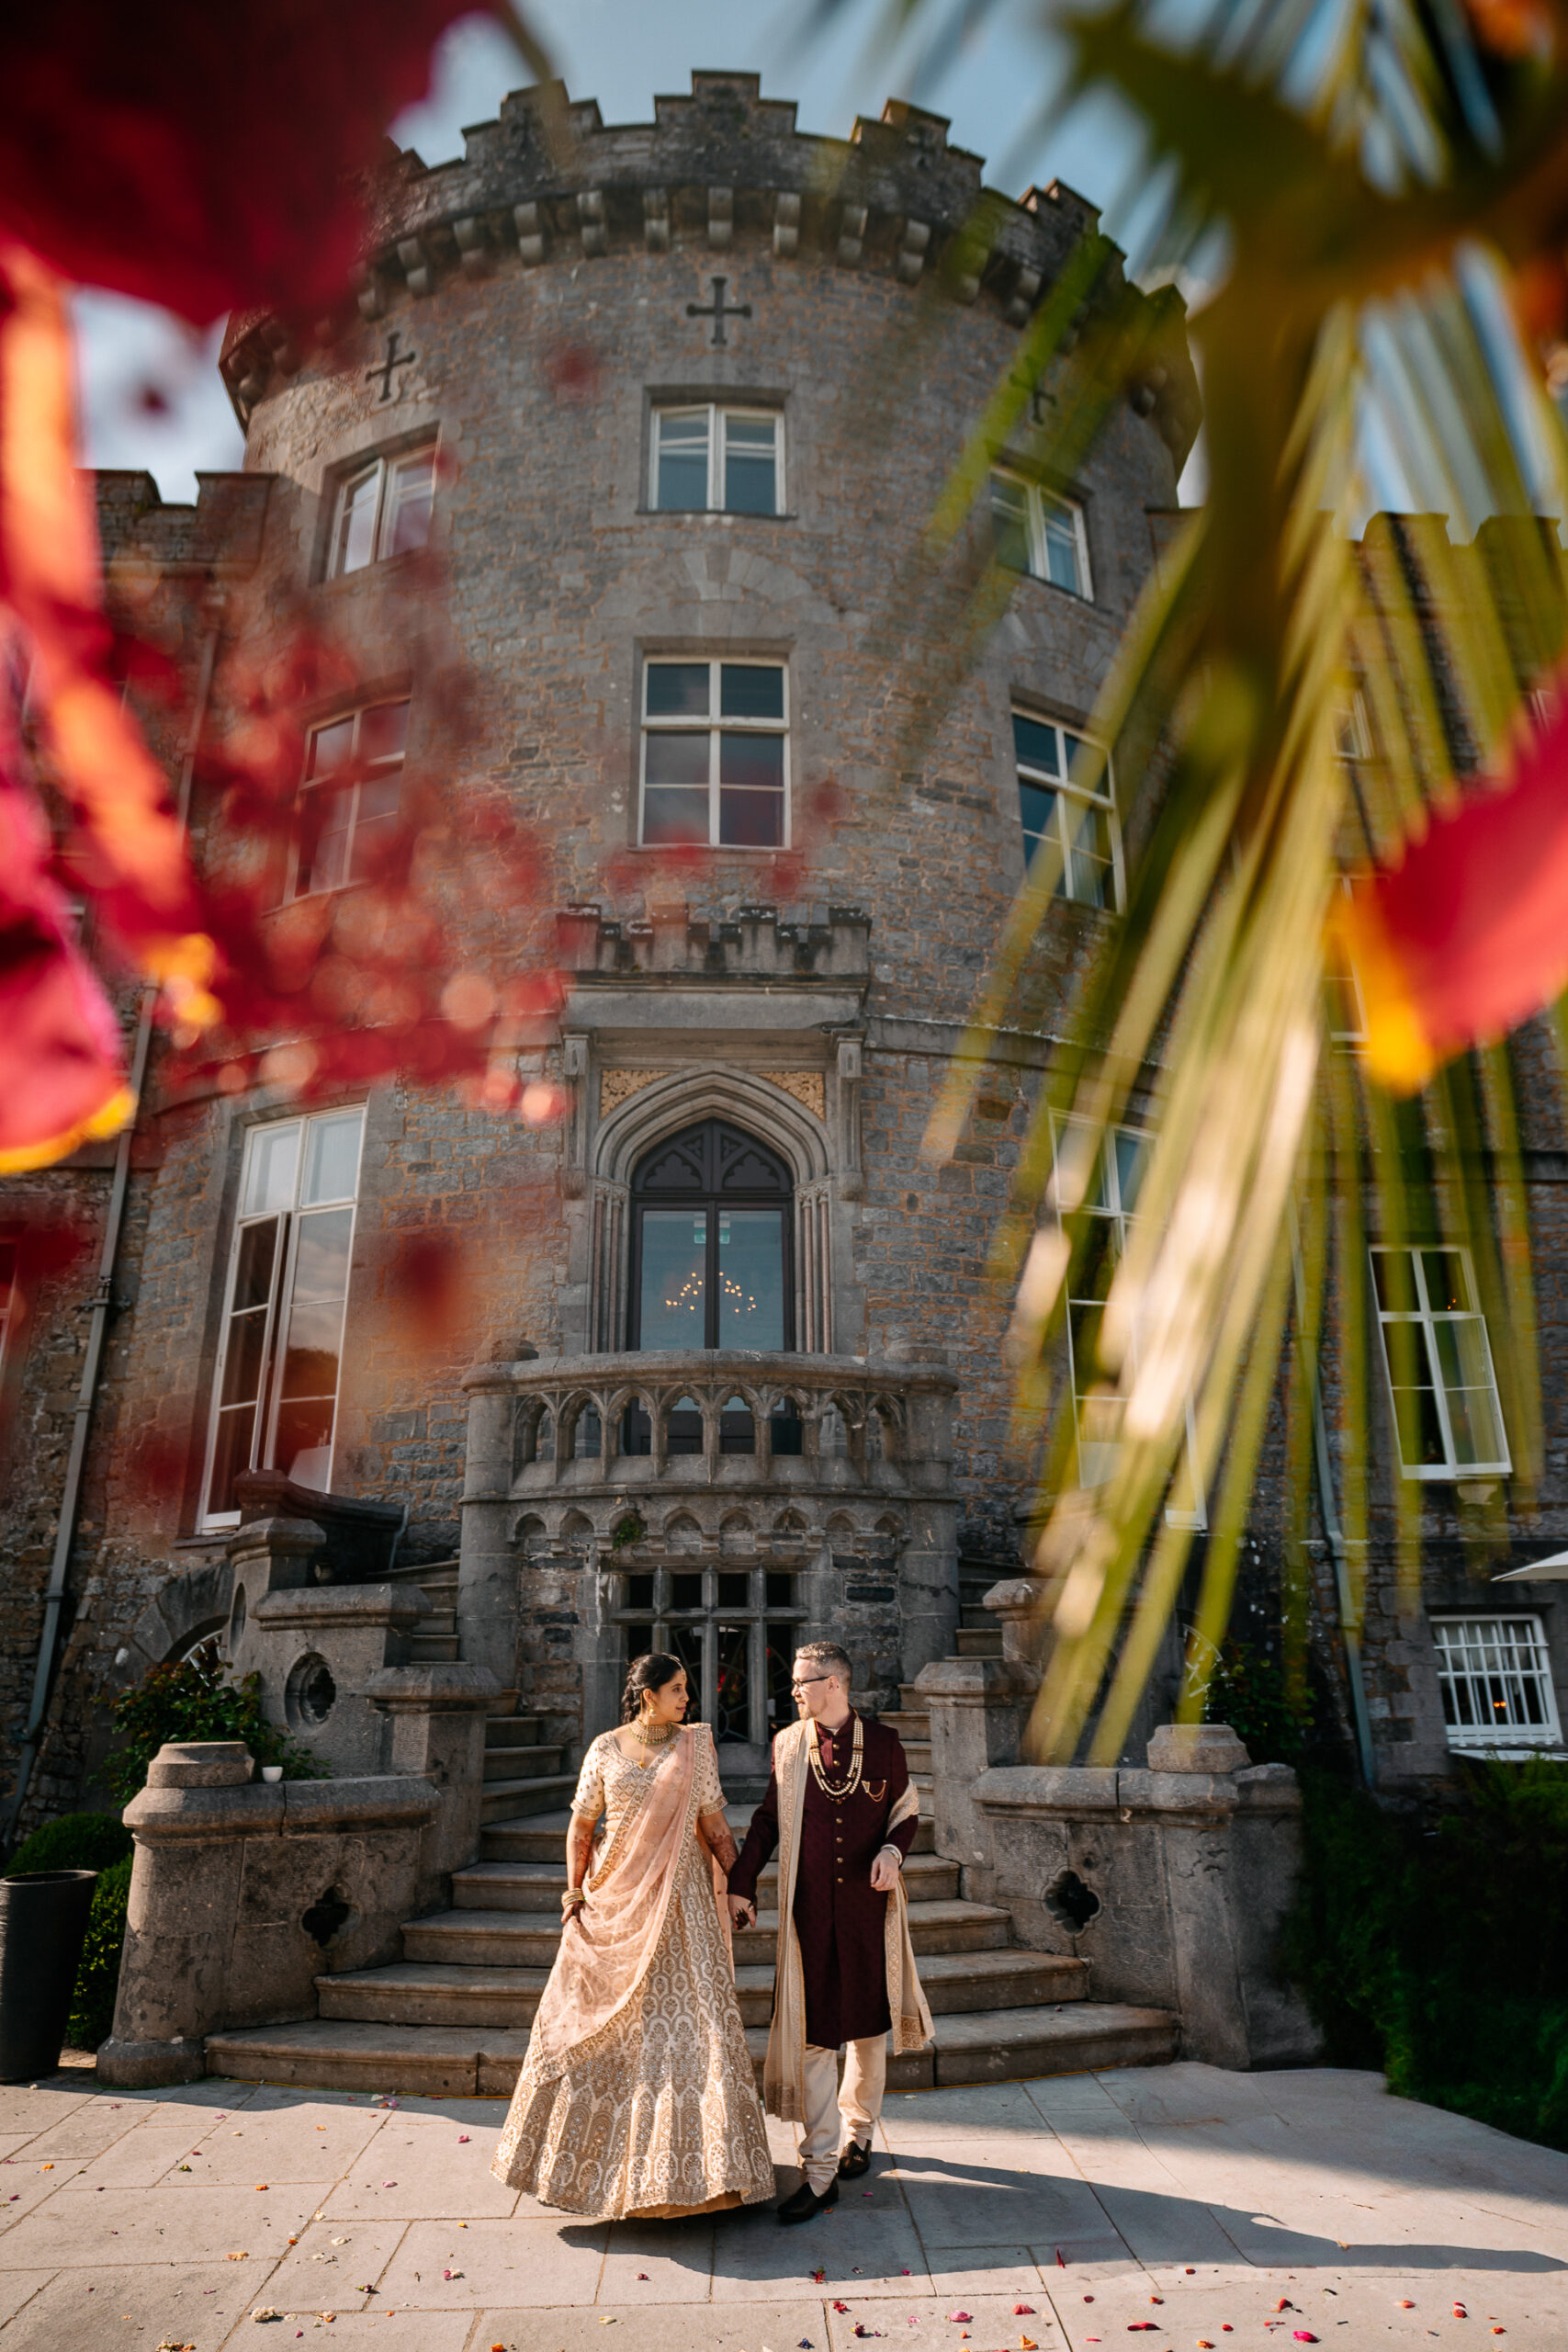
{"x": 1179, "y": 2203}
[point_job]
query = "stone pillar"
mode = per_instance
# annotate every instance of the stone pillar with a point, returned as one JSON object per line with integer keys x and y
{"x": 927, "y": 1566}
{"x": 978, "y": 1709}
{"x": 243, "y": 1892}
{"x": 489, "y": 1573}
{"x": 315, "y": 1647}
{"x": 1172, "y": 1883}
{"x": 185, "y": 1893}
{"x": 1016, "y": 1604}
{"x": 435, "y": 1726}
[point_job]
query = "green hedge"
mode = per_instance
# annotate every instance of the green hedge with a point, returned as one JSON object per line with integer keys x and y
{"x": 88, "y": 1841}
{"x": 98, "y": 1976}
{"x": 77, "y": 1841}
{"x": 1436, "y": 1947}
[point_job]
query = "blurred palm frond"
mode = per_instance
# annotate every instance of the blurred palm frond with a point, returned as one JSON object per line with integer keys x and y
{"x": 1300, "y": 694}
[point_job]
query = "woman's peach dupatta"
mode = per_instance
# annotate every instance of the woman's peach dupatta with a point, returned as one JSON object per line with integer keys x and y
{"x": 607, "y": 1951}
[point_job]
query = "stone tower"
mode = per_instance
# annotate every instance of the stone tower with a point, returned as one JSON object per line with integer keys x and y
{"x": 640, "y": 439}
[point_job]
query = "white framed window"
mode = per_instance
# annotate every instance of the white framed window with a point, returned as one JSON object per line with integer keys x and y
{"x": 383, "y": 509}
{"x": 1041, "y": 533}
{"x": 716, "y": 754}
{"x": 1352, "y": 729}
{"x": 723, "y": 461}
{"x": 1439, "y": 1361}
{"x": 1098, "y": 1408}
{"x": 275, "y": 1396}
{"x": 1078, "y": 826}
{"x": 1495, "y": 1674}
{"x": 349, "y": 799}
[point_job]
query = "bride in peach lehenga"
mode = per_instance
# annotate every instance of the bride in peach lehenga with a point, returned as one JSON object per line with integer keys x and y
{"x": 637, "y": 2095}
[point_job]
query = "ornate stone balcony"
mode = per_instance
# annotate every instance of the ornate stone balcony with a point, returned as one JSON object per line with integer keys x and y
{"x": 609, "y": 1495}
{"x": 677, "y": 1434}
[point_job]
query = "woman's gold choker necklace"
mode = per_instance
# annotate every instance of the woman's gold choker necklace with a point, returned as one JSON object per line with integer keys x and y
{"x": 658, "y": 1737}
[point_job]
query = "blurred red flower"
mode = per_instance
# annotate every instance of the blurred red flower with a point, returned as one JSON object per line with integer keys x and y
{"x": 1467, "y": 934}
{"x": 203, "y": 157}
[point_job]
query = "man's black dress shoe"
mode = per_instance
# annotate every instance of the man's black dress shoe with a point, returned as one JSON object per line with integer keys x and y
{"x": 855, "y": 2161}
{"x": 806, "y": 2202}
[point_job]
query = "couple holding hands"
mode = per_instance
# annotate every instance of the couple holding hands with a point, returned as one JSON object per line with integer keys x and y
{"x": 638, "y": 2094}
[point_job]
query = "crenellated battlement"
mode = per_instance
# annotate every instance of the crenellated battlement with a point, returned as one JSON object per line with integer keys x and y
{"x": 219, "y": 535}
{"x": 721, "y": 170}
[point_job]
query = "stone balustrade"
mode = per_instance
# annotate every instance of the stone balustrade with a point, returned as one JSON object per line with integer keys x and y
{"x": 584, "y": 1470}
{"x": 663, "y": 1423}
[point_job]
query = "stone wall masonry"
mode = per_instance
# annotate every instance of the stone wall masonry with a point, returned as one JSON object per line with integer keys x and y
{"x": 520, "y": 635}
{"x": 242, "y": 1894}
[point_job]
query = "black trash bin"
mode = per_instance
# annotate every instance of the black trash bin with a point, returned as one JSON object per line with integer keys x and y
{"x": 43, "y": 1922}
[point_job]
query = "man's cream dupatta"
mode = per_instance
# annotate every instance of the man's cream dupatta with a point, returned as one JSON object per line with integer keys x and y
{"x": 605, "y": 1956}
{"x": 784, "y": 2092}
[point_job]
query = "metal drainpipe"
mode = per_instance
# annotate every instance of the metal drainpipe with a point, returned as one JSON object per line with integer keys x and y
{"x": 1350, "y": 1619}
{"x": 98, "y": 1327}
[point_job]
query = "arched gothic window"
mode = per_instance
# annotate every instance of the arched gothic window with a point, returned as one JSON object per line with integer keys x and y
{"x": 711, "y": 1243}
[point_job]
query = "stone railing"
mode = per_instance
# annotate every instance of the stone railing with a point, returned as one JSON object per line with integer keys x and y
{"x": 584, "y": 1470}
{"x": 564, "y": 1428}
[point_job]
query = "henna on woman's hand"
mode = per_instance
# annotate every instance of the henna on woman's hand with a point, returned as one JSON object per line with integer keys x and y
{"x": 720, "y": 1839}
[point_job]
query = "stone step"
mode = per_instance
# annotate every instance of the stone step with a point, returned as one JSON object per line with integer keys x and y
{"x": 972, "y": 2046}
{"x": 438, "y": 1993}
{"x": 978, "y": 1641}
{"x": 537, "y": 1885}
{"x": 541, "y": 1837}
{"x": 444, "y": 1993}
{"x": 511, "y": 1731}
{"x": 433, "y": 1650}
{"x": 907, "y": 1722}
{"x": 973, "y": 1619}
{"x": 506, "y": 1799}
{"x": 439, "y": 1621}
{"x": 918, "y": 1755}
{"x": 912, "y": 1699}
{"x": 528, "y": 1939}
{"x": 529, "y": 1760}
{"x": 337, "y": 2053}
{"x": 433, "y": 1572}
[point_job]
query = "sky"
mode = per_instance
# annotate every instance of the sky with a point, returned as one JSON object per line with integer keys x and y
{"x": 149, "y": 391}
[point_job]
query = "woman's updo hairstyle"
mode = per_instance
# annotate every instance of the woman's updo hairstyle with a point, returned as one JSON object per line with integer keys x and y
{"x": 649, "y": 1673}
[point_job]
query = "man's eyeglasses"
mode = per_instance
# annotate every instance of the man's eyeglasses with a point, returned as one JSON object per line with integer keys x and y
{"x": 809, "y": 1680}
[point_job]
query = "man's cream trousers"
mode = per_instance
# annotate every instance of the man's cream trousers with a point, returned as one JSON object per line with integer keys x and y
{"x": 859, "y": 2103}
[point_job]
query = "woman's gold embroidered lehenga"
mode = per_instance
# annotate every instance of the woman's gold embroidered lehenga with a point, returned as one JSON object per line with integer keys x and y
{"x": 638, "y": 2094}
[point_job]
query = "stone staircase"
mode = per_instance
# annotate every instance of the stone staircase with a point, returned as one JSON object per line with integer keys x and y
{"x": 523, "y": 1773}
{"x": 453, "y": 2015}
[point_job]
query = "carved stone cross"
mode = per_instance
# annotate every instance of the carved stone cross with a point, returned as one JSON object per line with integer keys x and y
{"x": 1040, "y": 400}
{"x": 390, "y": 362}
{"x": 716, "y": 311}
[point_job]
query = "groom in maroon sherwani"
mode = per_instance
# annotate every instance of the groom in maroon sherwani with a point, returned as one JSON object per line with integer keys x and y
{"x": 849, "y": 1864}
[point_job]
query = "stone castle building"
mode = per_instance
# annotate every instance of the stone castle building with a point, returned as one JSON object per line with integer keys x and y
{"x": 617, "y": 493}
{"x": 664, "y": 424}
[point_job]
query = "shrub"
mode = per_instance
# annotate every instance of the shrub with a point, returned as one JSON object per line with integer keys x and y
{"x": 1250, "y": 1691}
{"x": 77, "y": 1841}
{"x": 195, "y": 1699}
{"x": 98, "y": 1976}
{"x": 1437, "y": 1948}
